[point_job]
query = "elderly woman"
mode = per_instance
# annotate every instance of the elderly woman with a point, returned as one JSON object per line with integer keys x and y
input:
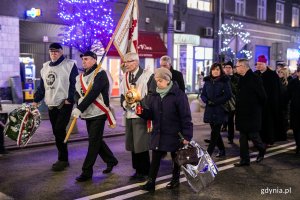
{"x": 216, "y": 91}
{"x": 169, "y": 110}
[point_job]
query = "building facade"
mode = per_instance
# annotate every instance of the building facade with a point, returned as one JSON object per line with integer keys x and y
{"x": 273, "y": 26}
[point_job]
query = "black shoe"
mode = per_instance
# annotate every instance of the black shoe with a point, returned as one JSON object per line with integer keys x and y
{"x": 260, "y": 156}
{"x": 60, "y": 166}
{"x": 241, "y": 164}
{"x": 207, "y": 141}
{"x": 149, "y": 186}
{"x": 230, "y": 141}
{"x": 138, "y": 177}
{"x": 83, "y": 178}
{"x": 173, "y": 184}
{"x": 221, "y": 154}
{"x": 109, "y": 168}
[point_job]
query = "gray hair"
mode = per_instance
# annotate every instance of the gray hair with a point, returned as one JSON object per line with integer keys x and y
{"x": 167, "y": 59}
{"x": 131, "y": 56}
{"x": 245, "y": 62}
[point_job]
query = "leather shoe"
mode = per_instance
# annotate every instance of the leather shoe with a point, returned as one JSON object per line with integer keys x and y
{"x": 241, "y": 164}
{"x": 138, "y": 177}
{"x": 221, "y": 154}
{"x": 260, "y": 156}
{"x": 60, "y": 166}
{"x": 173, "y": 184}
{"x": 207, "y": 141}
{"x": 109, "y": 168}
{"x": 149, "y": 186}
{"x": 83, "y": 178}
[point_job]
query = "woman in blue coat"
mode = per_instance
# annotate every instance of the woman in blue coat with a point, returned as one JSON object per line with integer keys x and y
{"x": 216, "y": 91}
{"x": 169, "y": 110}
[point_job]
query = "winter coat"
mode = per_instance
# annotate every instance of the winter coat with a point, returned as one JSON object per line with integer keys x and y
{"x": 215, "y": 93}
{"x": 170, "y": 115}
{"x": 178, "y": 78}
{"x": 294, "y": 97}
{"x": 270, "y": 130}
{"x": 250, "y": 99}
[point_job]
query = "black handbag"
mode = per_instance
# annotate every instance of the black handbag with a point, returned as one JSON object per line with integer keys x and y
{"x": 187, "y": 155}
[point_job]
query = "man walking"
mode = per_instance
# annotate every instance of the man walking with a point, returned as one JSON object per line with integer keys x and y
{"x": 94, "y": 108}
{"x": 137, "y": 138}
{"x": 250, "y": 99}
{"x": 57, "y": 86}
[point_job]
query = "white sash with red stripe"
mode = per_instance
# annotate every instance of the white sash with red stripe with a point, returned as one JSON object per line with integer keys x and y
{"x": 99, "y": 103}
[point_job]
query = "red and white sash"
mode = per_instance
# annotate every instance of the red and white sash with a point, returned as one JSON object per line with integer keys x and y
{"x": 100, "y": 104}
{"x": 149, "y": 122}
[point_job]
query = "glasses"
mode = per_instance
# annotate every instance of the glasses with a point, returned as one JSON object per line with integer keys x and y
{"x": 54, "y": 51}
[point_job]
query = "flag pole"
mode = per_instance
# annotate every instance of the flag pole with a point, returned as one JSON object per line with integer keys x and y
{"x": 97, "y": 70}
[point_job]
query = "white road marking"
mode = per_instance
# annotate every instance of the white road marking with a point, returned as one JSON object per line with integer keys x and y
{"x": 5, "y": 197}
{"x": 163, "y": 185}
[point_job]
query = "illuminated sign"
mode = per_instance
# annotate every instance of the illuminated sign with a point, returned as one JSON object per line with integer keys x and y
{"x": 33, "y": 12}
{"x": 292, "y": 54}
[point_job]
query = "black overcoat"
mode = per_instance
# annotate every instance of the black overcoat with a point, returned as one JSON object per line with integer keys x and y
{"x": 250, "y": 99}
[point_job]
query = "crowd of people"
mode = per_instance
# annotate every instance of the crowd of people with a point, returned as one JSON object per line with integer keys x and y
{"x": 264, "y": 105}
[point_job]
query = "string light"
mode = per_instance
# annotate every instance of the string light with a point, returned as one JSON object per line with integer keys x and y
{"x": 231, "y": 32}
{"x": 88, "y": 22}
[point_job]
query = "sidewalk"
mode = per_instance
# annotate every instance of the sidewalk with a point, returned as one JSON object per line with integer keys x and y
{"x": 44, "y": 135}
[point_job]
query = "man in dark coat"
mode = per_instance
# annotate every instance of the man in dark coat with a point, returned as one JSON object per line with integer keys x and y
{"x": 165, "y": 61}
{"x": 250, "y": 99}
{"x": 294, "y": 97}
{"x": 271, "y": 113}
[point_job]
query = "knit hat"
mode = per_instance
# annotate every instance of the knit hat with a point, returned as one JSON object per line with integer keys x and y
{"x": 229, "y": 63}
{"x": 89, "y": 53}
{"x": 163, "y": 73}
{"x": 262, "y": 59}
{"x": 55, "y": 46}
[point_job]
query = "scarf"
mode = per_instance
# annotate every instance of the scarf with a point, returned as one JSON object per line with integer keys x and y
{"x": 164, "y": 92}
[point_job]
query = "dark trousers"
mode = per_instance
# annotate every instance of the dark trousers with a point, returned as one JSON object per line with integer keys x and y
{"x": 215, "y": 138}
{"x": 97, "y": 146}
{"x": 230, "y": 124}
{"x": 2, "y": 149}
{"x": 244, "y": 146}
{"x": 3, "y": 118}
{"x": 59, "y": 119}
{"x": 155, "y": 163}
{"x": 141, "y": 162}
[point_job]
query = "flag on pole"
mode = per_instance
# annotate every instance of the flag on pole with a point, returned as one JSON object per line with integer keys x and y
{"x": 126, "y": 33}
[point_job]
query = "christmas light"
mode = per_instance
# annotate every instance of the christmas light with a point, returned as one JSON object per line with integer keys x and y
{"x": 88, "y": 22}
{"x": 231, "y": 34}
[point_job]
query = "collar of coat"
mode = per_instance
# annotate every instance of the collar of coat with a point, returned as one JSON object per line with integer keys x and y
{"x": 89, "y": 71}
{"x": 174, "y": 89}
{"x": 223, "y": 78}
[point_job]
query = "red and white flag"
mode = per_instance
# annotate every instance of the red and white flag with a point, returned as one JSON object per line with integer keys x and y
{"x": 126, "y": 33}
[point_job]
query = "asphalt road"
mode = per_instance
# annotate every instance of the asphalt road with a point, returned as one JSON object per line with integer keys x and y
{"x": 26, "y": 174}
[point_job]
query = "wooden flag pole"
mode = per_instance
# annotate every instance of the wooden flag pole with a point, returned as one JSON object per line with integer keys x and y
{"x": 98, "y": 68}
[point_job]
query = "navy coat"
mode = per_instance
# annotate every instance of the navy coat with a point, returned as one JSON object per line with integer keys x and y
{"x": 170, "y": 115}
{"x": 217, "y": 91}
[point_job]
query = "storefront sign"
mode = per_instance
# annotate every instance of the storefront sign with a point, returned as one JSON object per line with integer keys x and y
{"x": 292, "y": 54}
{"x": 187, "y": 39}
{"x": 33, "y": 12}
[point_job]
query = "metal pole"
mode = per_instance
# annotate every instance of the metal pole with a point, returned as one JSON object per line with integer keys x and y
{"x": 220, "y": 24}
{"x": 170, "y": 37}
